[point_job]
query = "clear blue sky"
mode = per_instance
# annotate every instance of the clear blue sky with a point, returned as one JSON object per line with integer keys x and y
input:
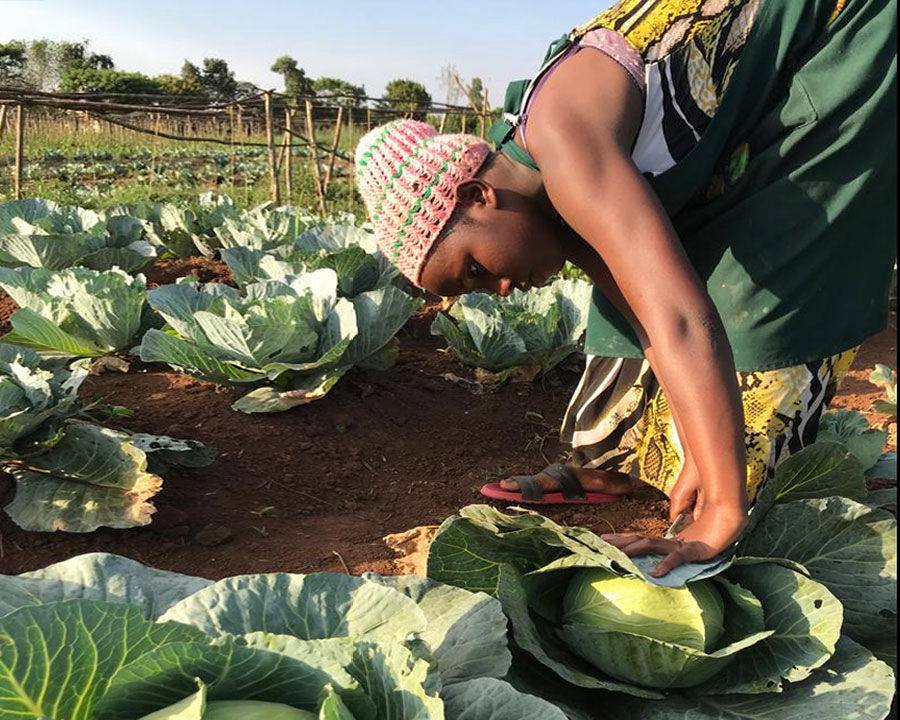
{"x": 365, "y": 42}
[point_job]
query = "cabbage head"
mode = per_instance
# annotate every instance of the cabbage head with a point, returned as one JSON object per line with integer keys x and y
{"x": 799, "y": 622}
{"x": 76, "y": 312}
{"x": 253, "y": 710}
{"x": 540, "y": 327}
{"x": 691, "y": 615}
{"x": 39, "y": 233}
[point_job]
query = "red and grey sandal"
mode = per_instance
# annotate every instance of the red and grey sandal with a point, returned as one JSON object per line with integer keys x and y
{"x": 531, "y": 493}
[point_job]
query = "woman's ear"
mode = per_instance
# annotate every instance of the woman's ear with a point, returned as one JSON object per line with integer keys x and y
{"x": 476, "y": 192}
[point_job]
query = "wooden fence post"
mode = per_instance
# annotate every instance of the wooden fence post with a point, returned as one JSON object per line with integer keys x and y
{"x": 288, "y": 161}
{"x": 334, "y": 149}
{"x": 443, "y": 123}
{"x": 3, "y": 109}
{"x": 368, "y": 119}
{"x": 20, "y": 151}
{"x": 462, "y": 123}
{"x": 270, "y": 146}
{"x": 314, "y": 157}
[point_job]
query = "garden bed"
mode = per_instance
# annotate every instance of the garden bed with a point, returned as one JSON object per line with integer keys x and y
{"x": 316, "y": 488}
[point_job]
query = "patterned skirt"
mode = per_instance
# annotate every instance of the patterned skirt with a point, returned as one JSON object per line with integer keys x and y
{"x": 619, "y": 418}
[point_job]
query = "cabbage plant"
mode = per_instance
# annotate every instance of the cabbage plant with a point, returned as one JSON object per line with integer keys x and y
{"x": 348, "y": 250}
{"x": 300, "y": 337}
{"x": 76, "y": 312}
{"x": 75, "y": 476}
{"x": 786, "y": 628}
{"x": 183, "y": 230}
{"x": 101, "y": 637}
{"x": 540, "y": 327}
{"x": 39, "y": 233}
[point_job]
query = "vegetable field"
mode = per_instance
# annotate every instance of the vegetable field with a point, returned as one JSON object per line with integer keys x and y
{"x": 212, "y": 414}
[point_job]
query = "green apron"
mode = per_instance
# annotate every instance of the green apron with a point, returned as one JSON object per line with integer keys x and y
{"x": 786, "y": 206}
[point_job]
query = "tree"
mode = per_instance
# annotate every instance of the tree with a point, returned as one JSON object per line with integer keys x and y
{"x": 190, "y": 73}
{"x": 76, "y": 79}
{"x": 342, "y": 92}
{"x": 12, "y": 64}
{"x": 178, "y": 85}
{"x": 459, "y": 92}
{"x": 218, "y": 80}
{"x": 408, "y": 97}
{"x": 452, "y": 92}
{"x": 76, "y": 55}
{"x": 296, "y": 83}
{"x": 476, "y": 92}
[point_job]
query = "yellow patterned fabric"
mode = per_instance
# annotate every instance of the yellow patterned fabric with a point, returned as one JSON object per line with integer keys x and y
{"x": 619, "y": 418}
{"x": 690, "y": 49}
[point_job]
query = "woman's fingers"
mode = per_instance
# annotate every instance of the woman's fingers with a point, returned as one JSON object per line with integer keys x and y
{"x": 621, "y": 541}
{"x": 677, "y": 552}
{"x": 670, "y": 562}
{"x": 633, "y": 545}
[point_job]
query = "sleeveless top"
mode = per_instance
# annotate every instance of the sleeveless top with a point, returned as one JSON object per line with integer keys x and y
{"x": 733, "y": 141}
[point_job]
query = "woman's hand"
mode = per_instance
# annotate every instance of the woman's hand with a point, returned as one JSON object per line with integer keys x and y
{"x": 687, "y": 494}
{"x": 712, "y": 532}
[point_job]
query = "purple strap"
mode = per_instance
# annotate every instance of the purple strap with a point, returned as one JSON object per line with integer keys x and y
{"x": 611, "y": 44}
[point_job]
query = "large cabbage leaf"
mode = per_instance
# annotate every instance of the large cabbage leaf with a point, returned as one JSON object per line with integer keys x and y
{"x": 300, "y": 335}
{"x": 539, "y": 327}
{"x": 82, "y": 478}
{"x": 99, "y": 576}
{"x": 340, "y": 647}
{"x": 74, "y": 312}
{"x": 817, "y": 512}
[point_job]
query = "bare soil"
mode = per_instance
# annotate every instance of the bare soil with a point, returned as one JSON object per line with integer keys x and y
{"x": 317, "y": 488}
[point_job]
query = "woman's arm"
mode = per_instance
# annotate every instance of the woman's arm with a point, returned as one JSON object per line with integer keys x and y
{"x": 581, "y": 129}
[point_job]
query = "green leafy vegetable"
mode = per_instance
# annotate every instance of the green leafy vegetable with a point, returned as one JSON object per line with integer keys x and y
{"x": 74, "y": 312}
{"x": 690, "y": 615}
{"x": 75, "y": 476}
{"x": 301, "y": 335}
{"x": 42, "y": 234}
{"x": 135, "y": 642}
{"x": 741, "y": 632}
{"x": 540, "y": 327}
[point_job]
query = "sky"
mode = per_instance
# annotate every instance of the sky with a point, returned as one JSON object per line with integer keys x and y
{"x": 364, "y": 42}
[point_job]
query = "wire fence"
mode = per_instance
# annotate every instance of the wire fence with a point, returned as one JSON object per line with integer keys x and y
{"x": 302, "y": 139}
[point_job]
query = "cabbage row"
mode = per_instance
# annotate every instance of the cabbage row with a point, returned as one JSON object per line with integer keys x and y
{"x": 315, "y": 298}
{"x": 101, "y": 637}
{"x": 537, "y": 329}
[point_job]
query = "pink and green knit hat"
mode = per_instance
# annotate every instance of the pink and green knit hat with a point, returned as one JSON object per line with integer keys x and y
{"x": 407, "y": 175}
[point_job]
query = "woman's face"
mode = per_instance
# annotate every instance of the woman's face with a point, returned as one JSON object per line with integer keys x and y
{"x": 496, "y": 248}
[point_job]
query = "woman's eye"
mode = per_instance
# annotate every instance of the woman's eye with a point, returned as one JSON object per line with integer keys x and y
{"x": 474, "y": 269}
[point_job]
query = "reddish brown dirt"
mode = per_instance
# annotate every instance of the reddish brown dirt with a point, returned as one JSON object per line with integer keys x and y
{"x": 7, "y": 308}
{"x": 164, "y": 272}
{"x": 318, "y": 487}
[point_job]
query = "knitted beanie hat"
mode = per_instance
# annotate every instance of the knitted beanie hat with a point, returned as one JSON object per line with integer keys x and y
{"x": 407, "y": 175}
